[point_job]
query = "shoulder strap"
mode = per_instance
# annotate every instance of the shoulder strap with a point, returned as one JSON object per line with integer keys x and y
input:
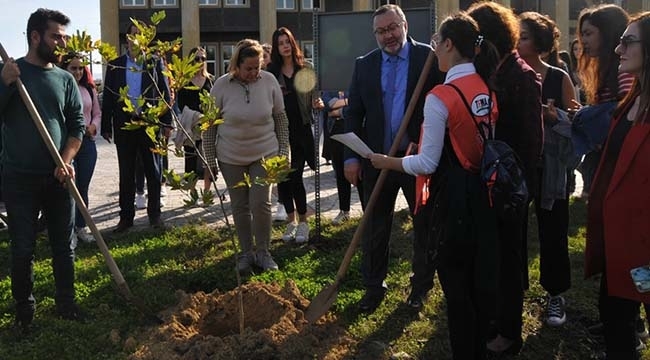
{"x": 490, "y": 135}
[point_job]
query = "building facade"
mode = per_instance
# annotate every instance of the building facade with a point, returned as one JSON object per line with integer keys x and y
{"x": 217, "y": 25}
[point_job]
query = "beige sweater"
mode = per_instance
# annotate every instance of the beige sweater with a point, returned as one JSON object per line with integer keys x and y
{"x": 248, "y": 132}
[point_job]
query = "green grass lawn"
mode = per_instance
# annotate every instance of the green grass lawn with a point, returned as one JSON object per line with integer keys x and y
{"x": 196, "y": 257}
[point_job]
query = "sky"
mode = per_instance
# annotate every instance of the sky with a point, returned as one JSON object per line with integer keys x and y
{"x": 83, "y": 14}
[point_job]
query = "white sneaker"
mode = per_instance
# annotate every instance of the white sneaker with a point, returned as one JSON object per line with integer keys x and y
{"x": 555, "y": 313}
{"x": 302, "y": 233}
{"x": 280, "y": 213}
{"x": 162, "y": 202}
{"x": 244, "y": 262}
{"x": 84, "y": 235}
{"x": 342, "y": 217}
{"x": 290, "y": 233}
{"x": 163, "y": 190}
{"x": 265, "y": 261}
{"x": 140, "y": 202}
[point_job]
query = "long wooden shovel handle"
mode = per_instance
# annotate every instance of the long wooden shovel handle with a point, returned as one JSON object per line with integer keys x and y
{"x": 347, "y": 259}
{"x": 54, "y": 152}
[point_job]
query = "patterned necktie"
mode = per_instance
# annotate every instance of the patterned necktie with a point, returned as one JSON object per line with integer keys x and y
{"x": 388, "y": 104}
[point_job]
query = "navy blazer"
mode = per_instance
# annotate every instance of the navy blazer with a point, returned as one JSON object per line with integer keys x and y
{"x": 113, "y": 117}
{"x": 365, "y": 113}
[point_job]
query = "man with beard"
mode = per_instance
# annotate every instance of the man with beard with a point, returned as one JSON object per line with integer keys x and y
{"x": 31, "y": 180}
{"x": 382, "y": 85}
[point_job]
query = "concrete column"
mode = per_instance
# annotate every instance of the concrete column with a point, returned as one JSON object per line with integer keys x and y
{"x": 645, "y": 5}
{"x": 190, "y": 25}
{"x": 446, "y": 8}
{"x": 268, "y": 20}
{"x": 562, "y": 20}
{"x": 110, "y": 22}
{"x": 361, "y": 5}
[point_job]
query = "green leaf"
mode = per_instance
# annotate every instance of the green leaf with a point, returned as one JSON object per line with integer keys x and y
{"x": 157, "y": 17}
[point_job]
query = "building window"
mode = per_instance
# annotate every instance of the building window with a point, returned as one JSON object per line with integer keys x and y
{"x": 208, "y": 2}
{"x": 164, "y": 3}
{"x": 308, "y": 51}
{"x": 309, "y": 4}
{"x": 212, "y": 58}
{"x": 285, "y": 5}
{"x": 226, "y": 55}
{"x": 139, "y": 3}
{"x": 236, "y": 3}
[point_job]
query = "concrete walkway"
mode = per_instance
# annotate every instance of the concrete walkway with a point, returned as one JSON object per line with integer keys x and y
{"x": 104, "y": 206}
{"x": 104, "y": 191}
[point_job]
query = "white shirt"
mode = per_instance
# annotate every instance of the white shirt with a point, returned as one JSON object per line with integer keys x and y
{"x": 433, "y": 128}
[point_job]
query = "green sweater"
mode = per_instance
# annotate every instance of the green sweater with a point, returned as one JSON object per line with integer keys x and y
{"x": 56, "y": 96}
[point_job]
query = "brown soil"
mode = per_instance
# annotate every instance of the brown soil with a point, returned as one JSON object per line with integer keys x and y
{"x": 206, "y": 326}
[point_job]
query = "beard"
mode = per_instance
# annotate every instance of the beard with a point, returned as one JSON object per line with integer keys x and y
{"x": 47, "y": 54}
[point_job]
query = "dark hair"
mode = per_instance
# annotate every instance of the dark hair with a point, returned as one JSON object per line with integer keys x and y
{"x": 296, "y": 54}
{"x": 574, "y": 59}
{"x": 566, "y": 59}
{"x": 464, "y": 33}
{"x": 602, "y": 72}
{"x": 38, "y": 21}
{"x": 544, "y": 32}
{"x": 130, "y": 27}
{"x": 498, "y": 23}
{"x": 641, "y": 85}
{"x": 387, "y": 8}
{"x": 247, "y": 48}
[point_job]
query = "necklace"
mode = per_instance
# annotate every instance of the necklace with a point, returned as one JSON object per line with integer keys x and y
{"x": 246, "y": 91}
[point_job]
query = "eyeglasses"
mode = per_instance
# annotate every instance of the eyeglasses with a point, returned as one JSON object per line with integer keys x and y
{"x": 625, "y": 41}
{"x": 200, "y": 58}
{"x": 381, "y": 31}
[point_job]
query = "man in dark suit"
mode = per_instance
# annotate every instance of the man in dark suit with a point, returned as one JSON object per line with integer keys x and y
{"x": 146, "y": 80}
{"x": 382, "y": 85}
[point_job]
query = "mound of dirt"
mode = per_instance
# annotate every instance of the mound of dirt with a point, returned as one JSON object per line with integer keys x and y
{"x": 206, "y": 326}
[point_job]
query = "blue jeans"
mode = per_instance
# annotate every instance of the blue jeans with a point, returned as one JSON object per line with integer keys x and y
{"x": 25, "y": 195}
{"x": 84, "y": 166}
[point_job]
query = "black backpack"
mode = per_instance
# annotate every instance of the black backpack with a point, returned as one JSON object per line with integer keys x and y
{"x": 501, "y": 171}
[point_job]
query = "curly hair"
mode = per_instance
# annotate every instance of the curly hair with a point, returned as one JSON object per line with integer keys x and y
{"x": 498, "y": 23}
{"x": 601, "y": 72}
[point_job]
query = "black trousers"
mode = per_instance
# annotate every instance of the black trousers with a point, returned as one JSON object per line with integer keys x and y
{"x": 374, "y": 263}
{"x": 553, "y": 228}
{"x": 513, "y": 276}
{"x": 129, "y": 144}
{"x": 618, "y": 316}
{"x": 343, "y": 186}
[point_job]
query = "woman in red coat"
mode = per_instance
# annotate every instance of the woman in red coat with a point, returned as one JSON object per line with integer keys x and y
{"x": 618, "y": 231}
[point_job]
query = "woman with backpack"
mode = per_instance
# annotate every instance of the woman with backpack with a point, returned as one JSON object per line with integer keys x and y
{"x": 86, "y": 158}
{"x": 451, "y": 149}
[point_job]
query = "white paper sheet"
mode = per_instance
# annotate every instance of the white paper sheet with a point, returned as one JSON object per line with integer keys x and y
{"x": 352, "y": 141}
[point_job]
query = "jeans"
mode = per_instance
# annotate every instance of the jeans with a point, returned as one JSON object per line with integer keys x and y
{"x": 84, "y": 166}
{"x": 25, "y": 195}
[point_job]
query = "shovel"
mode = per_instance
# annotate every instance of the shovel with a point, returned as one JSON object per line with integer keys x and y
{"x": 324, "y": 300}
{"x": 122, "y": 287}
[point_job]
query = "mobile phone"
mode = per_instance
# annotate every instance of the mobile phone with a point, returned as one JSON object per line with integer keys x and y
{"x": 641, "y": 278}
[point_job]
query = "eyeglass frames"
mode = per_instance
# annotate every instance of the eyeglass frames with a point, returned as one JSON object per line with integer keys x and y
{"x": 625, "y": 41}
{"x": 381, "y": 31}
